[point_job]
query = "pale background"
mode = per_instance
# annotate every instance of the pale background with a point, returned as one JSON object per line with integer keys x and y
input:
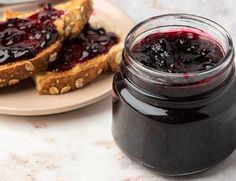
{"x": 78, "y": 146}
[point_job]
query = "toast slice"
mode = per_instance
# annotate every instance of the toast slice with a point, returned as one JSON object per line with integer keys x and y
{"x": 54, "y": 83}
{"x": 76, "y": 15}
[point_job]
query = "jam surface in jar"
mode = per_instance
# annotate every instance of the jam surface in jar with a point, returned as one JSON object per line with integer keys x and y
{"x": 22, "y": 39}
{"x": 178, "y": 52}
{"x": 174, "y": 106}
{"x": 90, "y": 43}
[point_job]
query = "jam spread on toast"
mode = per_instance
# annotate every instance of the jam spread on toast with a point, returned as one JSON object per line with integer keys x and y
{"x": 22, "y": 39}
{"x": 88, "y": 44}
{"x": 178, "y": 52}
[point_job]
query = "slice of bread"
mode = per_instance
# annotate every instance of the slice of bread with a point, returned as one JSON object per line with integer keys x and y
{"x": 54, "y": 83}
{"x": 77, "y": 13}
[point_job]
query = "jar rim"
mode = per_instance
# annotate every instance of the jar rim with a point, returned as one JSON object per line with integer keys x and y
{"x": 225, "y": 61}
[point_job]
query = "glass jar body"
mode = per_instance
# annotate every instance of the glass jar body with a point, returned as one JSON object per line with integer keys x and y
{"x": 174, "y": 141}
{"x": 175, "y": 123}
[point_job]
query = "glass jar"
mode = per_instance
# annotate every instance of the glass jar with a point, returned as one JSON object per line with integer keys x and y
{"x": 175, "y": 123}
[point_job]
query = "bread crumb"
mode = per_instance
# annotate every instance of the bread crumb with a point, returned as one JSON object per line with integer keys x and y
{"x": 29, "y": 66}
{"x": 67, "y": 31}
{"x": 54, "y": 91}
{"x": 100, "y": 71}
{"x": 82, "y": 9}
{"x": 118, "y": 58}
{"x": 53, "y": 57}
{"x": 13, "y": 81}
{"x": 67, "y": 19}
{"x": 78, "y": 17}
{"x": 78, "y": 7}
{"x": 79, "y": 83}
{"x": 65, "y": 89}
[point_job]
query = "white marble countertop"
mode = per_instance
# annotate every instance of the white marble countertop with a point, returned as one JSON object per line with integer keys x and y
{"x": 78, "y": 146}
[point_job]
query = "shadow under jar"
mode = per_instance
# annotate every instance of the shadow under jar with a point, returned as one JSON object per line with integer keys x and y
{"x": 177, "y": 119}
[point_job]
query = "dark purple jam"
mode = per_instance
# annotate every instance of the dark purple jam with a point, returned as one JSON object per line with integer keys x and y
{"x": 178, "y": 52}
{"x": 90, "y": 43}
{"x": 23, "y": 38}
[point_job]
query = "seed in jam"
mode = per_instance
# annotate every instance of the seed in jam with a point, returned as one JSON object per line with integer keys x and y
{"x": 178, "y": 52}
{"x": 90, "y": 43}
{"x": 24, "y": 38}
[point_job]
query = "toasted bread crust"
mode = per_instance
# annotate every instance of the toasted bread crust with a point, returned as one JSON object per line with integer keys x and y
{"x": 77, "y": 14}
{"x": 61, "y": 82}
{"x": 68, "y": 26}
{"x": 23, "y": 69}
{"x": 53, "y": 83}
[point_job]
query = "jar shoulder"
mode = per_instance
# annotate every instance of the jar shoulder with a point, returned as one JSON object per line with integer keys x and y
{"x": 218, "y": 108}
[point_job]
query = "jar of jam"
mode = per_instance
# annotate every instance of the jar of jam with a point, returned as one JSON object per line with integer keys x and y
{"x": 174, "y": 99}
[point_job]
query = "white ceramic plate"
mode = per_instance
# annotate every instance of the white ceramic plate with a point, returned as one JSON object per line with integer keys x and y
{"x": 23, "y": 99}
